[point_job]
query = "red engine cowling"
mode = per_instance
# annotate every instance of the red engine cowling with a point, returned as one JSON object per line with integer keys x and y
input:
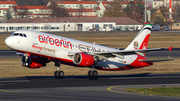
{"x": 33, "y": 62}
{"x": 82, "y": 59}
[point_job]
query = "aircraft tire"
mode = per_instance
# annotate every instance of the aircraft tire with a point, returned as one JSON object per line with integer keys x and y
{"x": 93, "y": 73}
{"x": 56, "y": 74}
{"x": 59, "y": 74}
{"x": 23, "y": 64}
{"x": 89, "y": 74}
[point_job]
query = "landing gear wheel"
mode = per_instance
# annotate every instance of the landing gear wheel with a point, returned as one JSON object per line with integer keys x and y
{"x": 59, "y": 74}
{"x": 56, "y": 74}
{"x": 24, "y": 64}
{"x": 93, "y": 73}
{"x": 90, "y": 73}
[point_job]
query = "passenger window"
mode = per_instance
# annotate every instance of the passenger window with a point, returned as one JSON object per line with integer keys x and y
{"x": 24, "y": 35}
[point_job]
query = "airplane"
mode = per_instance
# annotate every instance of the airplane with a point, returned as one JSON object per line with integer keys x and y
{"x": 39, "y": 48}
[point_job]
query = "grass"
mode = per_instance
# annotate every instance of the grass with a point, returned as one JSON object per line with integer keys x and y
{"x": 171, "y": 91}
{"x": 11, "y": 67}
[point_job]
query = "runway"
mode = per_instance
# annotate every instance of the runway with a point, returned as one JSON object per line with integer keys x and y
{"x": 81, "y": 88}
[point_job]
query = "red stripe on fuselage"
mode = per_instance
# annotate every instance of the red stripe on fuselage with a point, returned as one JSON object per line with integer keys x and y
{"x": 52, "y": 58}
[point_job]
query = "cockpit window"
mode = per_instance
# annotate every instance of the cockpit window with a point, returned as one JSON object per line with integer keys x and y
{"x": 24, "y": 35}
{"x": 15, "y": 34}
{"x": 19, "y": 34}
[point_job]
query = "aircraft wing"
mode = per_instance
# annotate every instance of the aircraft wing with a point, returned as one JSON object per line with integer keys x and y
{"x": 156, "y": 60}
{"x": 127, "y": 52}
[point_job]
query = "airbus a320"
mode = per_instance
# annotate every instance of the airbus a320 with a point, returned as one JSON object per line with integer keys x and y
{"x": 39, "y": 48}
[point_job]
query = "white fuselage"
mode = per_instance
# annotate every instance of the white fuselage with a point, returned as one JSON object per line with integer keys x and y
{"x": 57, "y": 47}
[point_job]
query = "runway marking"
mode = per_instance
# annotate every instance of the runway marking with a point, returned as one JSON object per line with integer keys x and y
{"x": 2, "y": 84}
{"x": 6, "y": 90}
{"x": 110, "y": 89}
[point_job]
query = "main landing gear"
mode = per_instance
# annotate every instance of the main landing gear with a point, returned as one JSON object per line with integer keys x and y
{"x": 92, "y": 73}
{"x": 58, "y": 73}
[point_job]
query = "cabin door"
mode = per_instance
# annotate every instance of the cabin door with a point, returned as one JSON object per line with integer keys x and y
{"x": 35, "y": 39}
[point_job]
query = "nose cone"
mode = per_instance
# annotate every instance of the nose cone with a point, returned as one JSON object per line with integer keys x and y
{"x": 9, "y": 42}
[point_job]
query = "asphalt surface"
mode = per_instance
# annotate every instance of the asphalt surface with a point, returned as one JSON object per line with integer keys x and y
{"x": 81, "y": 88}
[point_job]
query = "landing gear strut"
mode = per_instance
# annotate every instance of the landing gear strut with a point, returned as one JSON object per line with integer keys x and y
{"x": 58, "y": 73}
{"x": 25, "y": 60}
{"x": 92, "y": 73}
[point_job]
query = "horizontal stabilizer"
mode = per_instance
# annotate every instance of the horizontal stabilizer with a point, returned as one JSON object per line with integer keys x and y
{"x": 156, "y": 60}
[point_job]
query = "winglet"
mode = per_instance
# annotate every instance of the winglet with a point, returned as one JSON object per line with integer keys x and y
{"x": 170, "y": 48}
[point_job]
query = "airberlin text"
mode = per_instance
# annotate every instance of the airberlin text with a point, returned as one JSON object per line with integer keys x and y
{"x": 56, "y": 42}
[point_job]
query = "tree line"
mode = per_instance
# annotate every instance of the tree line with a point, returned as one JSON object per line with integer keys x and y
{"x": 134, "y": 10}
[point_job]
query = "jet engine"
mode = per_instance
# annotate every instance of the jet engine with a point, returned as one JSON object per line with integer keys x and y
{"x": 33, "y": 61}
{"x": 82, "y": 59}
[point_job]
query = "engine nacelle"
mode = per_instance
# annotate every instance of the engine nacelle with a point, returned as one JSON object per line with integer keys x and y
{"x": 82, "y": 59}
{"x": 33, "y": 62}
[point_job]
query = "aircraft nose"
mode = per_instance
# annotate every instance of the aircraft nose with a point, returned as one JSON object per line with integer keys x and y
{"x": 8, "y": 41}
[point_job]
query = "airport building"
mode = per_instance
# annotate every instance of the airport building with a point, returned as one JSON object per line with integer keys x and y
{"x": 71, "y": 24}
{"x": 4, "y": 6}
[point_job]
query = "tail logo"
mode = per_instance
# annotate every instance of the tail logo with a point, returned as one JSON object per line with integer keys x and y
{"x": 135, "y": 45}
{"x": 144, "y": 46}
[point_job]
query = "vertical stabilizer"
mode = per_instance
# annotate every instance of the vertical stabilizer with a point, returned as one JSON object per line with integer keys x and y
{"x": 142, "y": 38}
